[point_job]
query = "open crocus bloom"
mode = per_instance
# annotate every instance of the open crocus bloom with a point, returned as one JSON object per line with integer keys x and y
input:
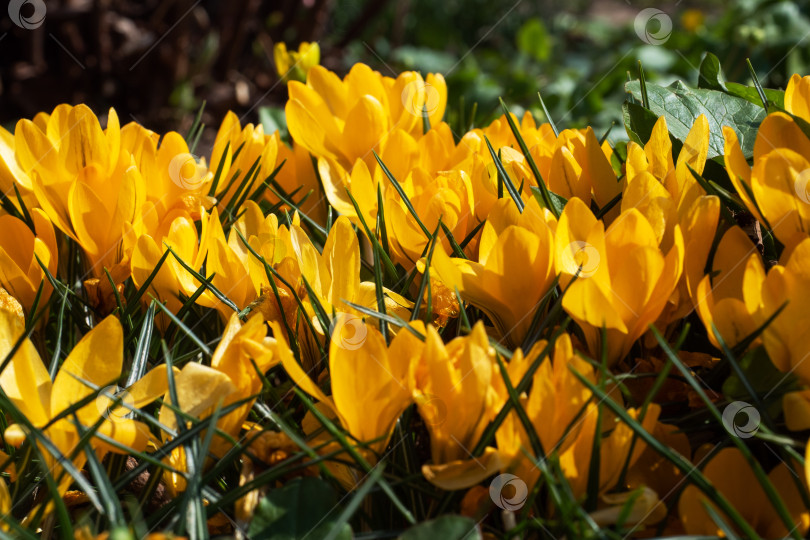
{"x": 345, "y": 120}
{"x": 84, "y": 180}
{"x": 369, "y": 389}
{"x": 96, "y": 360}
{"x": 240, "y": 360}
{"x": 785, "y": 338}
{"x": 514, "y": 271}
{"x": 720, "y": 299}
{"x": 608, "y": 291}
{"x": 560, "y": 409}
{"x": 458, "y": 391}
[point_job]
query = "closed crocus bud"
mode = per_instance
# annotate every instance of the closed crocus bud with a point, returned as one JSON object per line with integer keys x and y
{"x": 369, "y": 389}
{"x": 797, "y": 96}
{"x": 294, "y": 65}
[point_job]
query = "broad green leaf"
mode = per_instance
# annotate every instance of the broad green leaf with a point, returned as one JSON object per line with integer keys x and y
{"x": 446, "y": 528}
{"x": 638, "y": 122}
{"x": 305, "y": 507}
{"x": 713, "y": 78}
{"x": 272, "y": 120}
{"x": 682, "y": 105}
{"x": 534, "y": 40}
{"x": 711, "y": 74}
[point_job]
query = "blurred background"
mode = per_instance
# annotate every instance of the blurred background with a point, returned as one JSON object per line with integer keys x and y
{"x": 156, "y": 61}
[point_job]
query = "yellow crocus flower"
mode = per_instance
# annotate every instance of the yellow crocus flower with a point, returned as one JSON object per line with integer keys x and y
{"x": 667, "y": 194}
{"x": 797, "y": 96}
{"x": 294, "y": 65}
{"x": 12, "y": 174}
{"x": 425, "y": 167}
{"x": 345, "y": 120}
{"x": 720, "y": 298}
{"x": 731, "y": 475}
{"x": 334, "y": 277}
{"x": 458, "y": 391}
{"x": 20, "y": 273}
{"x": 447, "y": 196}
{"x": 97, "y": 359}
{"x": 361, "y": 182}
{"x": 245, "y": 146}
{"x": 239, "y": 275}
{"x": 85, "y": 182}
{"x": 776, "y": 190}
{"x": 572, "y": 165}
{"x": 565, "y": 419}
{"x": 335, "y": 274}
{"x": 580, "y": 167}
{"x": 624, "y": 277}
{"x": 232, "y": 377}
{"x": 785, "y": 338}
{"x": 174, "y": 178}
{"x": 369, "y": 390}
{"x": 178, "y": 232}
{"x": 514, "y": 271}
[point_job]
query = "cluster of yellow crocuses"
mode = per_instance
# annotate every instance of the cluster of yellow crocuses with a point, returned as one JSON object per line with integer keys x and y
{"x": 384, "y": 262}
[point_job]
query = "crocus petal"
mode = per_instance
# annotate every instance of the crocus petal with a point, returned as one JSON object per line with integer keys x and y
{"x": 97, "y": 359}
{"x": 463, "y": 473}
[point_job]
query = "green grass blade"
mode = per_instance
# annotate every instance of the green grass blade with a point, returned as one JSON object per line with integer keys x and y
{"x": 510, "y": 187}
